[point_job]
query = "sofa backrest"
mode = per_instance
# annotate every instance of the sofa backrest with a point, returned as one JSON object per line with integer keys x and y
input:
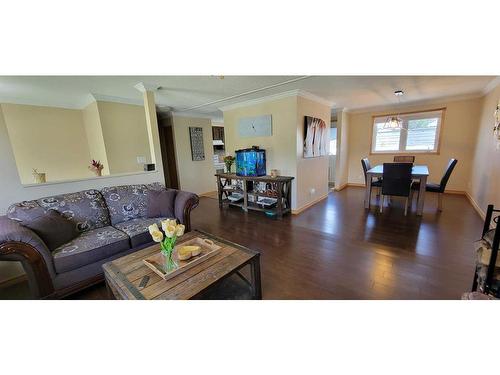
{"x": 128, "y": 202}
{"x": 86, "y": 208}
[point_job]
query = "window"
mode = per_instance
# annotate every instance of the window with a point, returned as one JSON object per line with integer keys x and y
{"x": 420, "y": 133}
{"x": 333, "y": 141}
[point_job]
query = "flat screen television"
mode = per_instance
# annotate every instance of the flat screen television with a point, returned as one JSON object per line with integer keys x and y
{"x": 251, "y": 162}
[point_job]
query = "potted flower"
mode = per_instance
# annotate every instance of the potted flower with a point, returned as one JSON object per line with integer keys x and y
{"x": 167, "y": 239}
{"x": 228, "y": 160}
{"x": 96, "y": 167}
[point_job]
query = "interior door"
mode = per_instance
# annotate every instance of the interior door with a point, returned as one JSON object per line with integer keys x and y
{"x": 332, "y": 155}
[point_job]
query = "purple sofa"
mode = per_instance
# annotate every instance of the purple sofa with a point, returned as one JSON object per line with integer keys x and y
{"x": 111, "y": 223}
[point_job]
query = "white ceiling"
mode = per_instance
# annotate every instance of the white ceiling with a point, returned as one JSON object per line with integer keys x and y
{"x": 209, "y": 93}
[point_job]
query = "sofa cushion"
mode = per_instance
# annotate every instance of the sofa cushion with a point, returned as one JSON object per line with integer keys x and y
{"x": 53, "y": 229}
{"x": 161, "y": 203}
{"x": 86, "y": 208}
{"x": 137, "y": 229}
{"x": 126, "y": 202}
{"x": 91, "y": 246}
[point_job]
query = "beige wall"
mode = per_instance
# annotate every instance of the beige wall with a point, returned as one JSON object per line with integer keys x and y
{"x": 343, "y": 148}
{"x": 50, "y": 139}
{"x": 281, "y": 147}
{"x": 284, "y": 148}
{"x": 458, "y": 135}
{"x": 485, "y": 175}
{"x": 95, "y": 138}
{"x": 125, "y": 135}
{"x": 195, "y": 176}
{"x": 312, "y": 173}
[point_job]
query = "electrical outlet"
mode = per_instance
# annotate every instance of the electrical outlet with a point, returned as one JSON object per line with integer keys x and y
{"x": 141, "y": 160}
{"x": 312, "y": 191}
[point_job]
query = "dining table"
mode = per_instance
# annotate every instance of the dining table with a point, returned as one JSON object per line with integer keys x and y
{"x": 418, "y": 172}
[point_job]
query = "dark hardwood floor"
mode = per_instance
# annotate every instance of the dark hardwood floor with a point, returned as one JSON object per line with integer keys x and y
{"x": 337, "y": 250}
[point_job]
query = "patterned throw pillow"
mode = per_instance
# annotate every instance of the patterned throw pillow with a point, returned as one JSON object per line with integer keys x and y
{"x": 86, "y": 208}
{"x": 126, "y": 202}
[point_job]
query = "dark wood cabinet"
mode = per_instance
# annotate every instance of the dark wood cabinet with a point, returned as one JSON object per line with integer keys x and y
{"x": 218, "y": 133}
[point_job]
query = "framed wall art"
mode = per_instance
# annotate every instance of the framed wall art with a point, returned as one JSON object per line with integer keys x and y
{"x": 196, "y": 140}
{"x": 316, "y": 137}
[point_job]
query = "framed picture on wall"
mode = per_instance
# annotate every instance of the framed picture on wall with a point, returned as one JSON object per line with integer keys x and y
{"x": 316, "y": 136}
{"x": 196, "y": 140}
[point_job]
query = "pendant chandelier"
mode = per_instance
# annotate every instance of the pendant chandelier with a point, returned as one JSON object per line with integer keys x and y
{"x": 395, "y": 122}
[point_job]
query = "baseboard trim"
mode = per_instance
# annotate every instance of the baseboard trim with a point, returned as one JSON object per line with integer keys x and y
{"x": 208, "y": 193}
{"x": 299, "y": 210}
{"x": 476, "y": 206}
{"x": 13, "y": 281}
{"x": 459, "y": 192}
{"x": 341, "y": 187}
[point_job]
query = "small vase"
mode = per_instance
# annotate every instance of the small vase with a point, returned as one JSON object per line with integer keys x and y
{"x": 228, "y": 168}
{"x": 168, "y": 254}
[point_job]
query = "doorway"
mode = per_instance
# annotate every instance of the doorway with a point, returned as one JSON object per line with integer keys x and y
{"x": 167, "y": 148}
{"x": 332, "y": 154}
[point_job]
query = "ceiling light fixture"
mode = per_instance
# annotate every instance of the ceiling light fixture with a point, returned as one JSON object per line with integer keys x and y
{"x": 395, "y": 122}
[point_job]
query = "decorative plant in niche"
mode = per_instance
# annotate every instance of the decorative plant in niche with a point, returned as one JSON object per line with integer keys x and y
{"x": 96, "y": 167}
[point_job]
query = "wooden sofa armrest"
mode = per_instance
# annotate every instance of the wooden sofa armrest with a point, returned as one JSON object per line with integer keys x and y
{"x": 18, "y": 243}
{"x": 185, "y": 202}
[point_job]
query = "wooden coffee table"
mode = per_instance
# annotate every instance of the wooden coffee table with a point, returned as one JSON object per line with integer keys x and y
{"x": 124, "y": 275}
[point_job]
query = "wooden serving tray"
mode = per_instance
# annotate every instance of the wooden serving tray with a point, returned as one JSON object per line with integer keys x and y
{"x": 157, "y": 261}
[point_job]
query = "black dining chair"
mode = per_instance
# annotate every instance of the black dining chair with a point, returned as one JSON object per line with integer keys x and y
{"x": 439, "y": 188}
{"x": 404, "y": 159}
{"x": 365, "y": 163}
{"x": 396, "y": 181}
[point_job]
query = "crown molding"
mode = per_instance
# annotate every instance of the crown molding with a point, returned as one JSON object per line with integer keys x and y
{"x": 38, "y": 103}
{"x": 315, "y": 98}
{"x": 91, "y": 98}
{"x": 192, "y": 115}
{"x": 490, "y": 86}
{"x": 278, "y": 96}
{"x": 415, "y": 103}
{"x": 143, "y": 87}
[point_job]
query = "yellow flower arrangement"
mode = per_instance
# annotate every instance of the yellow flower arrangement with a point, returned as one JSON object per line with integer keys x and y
{"x": 167, "y": 238}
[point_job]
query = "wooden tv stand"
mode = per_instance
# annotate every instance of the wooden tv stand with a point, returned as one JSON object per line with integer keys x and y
{"x": 280, "y": 189}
